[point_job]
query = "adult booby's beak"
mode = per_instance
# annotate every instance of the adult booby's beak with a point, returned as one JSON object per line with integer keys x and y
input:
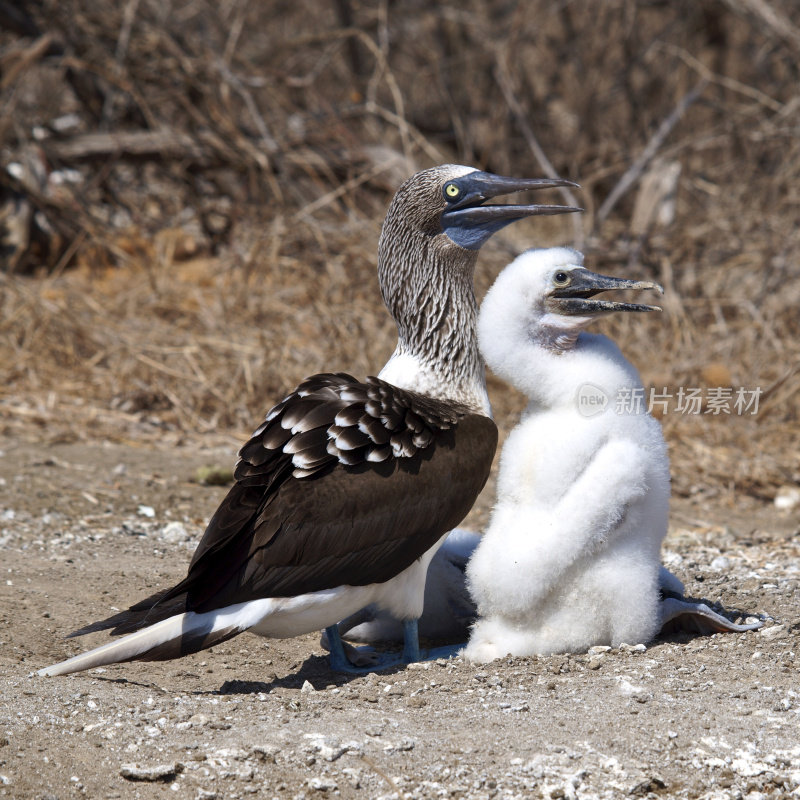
{"x": 469, "y": 223}
{"x": 575, "y": 296}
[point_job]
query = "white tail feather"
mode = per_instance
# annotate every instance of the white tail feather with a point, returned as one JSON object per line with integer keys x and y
{"x": 138, "y": 644}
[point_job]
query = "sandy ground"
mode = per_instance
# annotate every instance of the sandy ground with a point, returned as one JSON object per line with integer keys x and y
{"x": 87, "y": 528}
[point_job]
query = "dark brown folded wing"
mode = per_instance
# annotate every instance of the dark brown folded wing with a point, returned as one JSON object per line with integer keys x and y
{"x": 345, "y": 483}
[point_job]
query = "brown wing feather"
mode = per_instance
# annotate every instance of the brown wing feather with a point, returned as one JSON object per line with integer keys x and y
{"x": 145, "y": 612}
{"x": 320, "y": 508}
{"x": 318, "y": 535}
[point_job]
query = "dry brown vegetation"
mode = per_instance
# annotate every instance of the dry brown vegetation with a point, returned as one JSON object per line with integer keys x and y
{"x": 191, "y": 195}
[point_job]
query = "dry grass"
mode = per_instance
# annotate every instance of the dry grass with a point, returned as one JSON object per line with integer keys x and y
{"x": 181, "y": 289}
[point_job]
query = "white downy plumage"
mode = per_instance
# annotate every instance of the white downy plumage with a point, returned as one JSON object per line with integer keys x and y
{"x": 571, "y": 556}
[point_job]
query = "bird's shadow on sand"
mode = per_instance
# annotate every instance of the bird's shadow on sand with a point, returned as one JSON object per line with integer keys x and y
{"x": 315, "y": 669}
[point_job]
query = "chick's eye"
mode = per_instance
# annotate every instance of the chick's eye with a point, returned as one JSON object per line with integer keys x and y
{"x": 452, "y": 191}
{"x": 561, "y": 278}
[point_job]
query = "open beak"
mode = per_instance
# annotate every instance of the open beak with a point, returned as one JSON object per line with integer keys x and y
{"x": 578, "y": 298}
{"x": 469, "y": 223}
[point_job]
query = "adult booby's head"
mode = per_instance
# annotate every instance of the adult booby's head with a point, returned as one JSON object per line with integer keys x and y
{"x": 435, "y": 226}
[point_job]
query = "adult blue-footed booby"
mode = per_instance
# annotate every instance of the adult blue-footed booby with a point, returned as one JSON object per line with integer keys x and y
{"x": 571, "y": 557}
{"x": 346, "y": 490}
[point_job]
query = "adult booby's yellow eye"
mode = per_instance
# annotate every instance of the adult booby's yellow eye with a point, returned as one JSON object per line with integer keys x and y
{"x": 452, "y": 191}
{"x": 561, "y": 278}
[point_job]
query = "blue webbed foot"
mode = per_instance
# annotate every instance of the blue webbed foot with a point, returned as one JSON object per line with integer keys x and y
{"x": 359, "y": 660}
{"x": 337, "y": 658}
{"x": 346, "y": 658}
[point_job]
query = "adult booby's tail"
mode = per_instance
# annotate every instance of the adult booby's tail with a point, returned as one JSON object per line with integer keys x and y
{"x": 173, "y": 637}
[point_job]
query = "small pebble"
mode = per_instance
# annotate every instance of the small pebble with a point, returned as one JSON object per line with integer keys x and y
{"x": 322, "y": 784}
{"x": 787, "y": 498}
{"x": 214, "y": 475}
{"x": 632, "y": 648}
{"x": 773, "y": 632}
{"x": 175, "y": 532}
{"x": 159, "y": 772}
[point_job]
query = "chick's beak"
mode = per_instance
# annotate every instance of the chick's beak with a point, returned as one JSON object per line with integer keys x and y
{"x": 578, "y": 298}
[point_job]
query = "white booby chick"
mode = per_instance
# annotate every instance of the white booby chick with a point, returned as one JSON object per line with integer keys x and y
{"x": 344, "y": 493}
{"x": 571, "y": 557}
